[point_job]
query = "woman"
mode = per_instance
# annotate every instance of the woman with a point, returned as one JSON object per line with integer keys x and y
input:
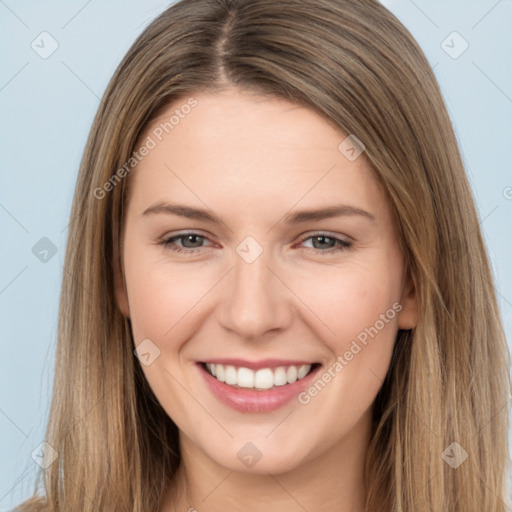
{"x": 258, "y": 368}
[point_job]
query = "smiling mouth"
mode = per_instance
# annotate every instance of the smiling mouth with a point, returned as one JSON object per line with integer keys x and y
{"x": 263, "y": 379}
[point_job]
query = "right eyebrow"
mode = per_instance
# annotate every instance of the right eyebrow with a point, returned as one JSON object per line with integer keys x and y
{"x": 182, "y": 211}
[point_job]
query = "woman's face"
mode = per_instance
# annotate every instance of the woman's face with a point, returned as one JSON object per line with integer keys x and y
{"x": 225, "y": 262}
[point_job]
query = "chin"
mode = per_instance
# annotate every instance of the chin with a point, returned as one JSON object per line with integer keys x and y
{"x": 257, "y": 457}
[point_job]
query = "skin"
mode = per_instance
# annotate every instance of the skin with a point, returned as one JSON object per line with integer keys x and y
{"x": 251, "y": 160}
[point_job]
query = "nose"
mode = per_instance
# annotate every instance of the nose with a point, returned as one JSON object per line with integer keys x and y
{"x": 255, "y": 299}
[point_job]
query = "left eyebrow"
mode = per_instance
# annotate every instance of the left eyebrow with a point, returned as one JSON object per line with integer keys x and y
{"x": 326, "y": 213}
{"x": 291, "y": 218}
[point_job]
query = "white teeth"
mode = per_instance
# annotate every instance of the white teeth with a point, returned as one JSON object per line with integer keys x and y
{"x": 245, "y": 377}
{"x": 303, "y": 370}
{"x": 280, "y": 376}
{"x": 231, "y": 377}
{"x": 219, "y": 373}
{"x": 264, "y": 378}
{"x": 291, "y": 374}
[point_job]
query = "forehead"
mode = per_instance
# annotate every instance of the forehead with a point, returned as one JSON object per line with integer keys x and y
{"x": 234, "y": 148}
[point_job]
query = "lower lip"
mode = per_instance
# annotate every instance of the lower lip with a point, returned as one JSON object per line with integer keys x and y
{"x": 250, "y": 400}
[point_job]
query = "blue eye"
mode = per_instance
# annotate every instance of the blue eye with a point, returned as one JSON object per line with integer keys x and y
{"x": 337, "y": 243}
{"x": 193, "y": 242}
{"x": 188, "y": 237}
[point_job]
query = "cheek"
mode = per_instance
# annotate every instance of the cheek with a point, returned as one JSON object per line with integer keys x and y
{"x": 366, "y": 326}
{"x": 359, "y": 305}
{"x": 162, "y": 295}
{"x": 165, "y": 301}
{"x": 350, "y": 301}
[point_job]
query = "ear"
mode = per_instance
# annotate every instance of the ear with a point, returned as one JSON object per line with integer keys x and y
{"x": 408, "y": 316}
{"x": 119, "y": 284}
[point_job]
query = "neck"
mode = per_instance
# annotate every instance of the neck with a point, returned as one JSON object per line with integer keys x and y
{"x": 333, "y": 480}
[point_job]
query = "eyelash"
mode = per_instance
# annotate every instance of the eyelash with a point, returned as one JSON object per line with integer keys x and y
{"x": 342, "y": 244}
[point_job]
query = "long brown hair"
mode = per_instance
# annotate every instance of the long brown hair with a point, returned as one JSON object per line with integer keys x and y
{"x": 354, "y": 63}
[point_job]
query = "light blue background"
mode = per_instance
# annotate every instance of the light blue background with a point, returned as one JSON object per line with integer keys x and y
{"x": 47, "y": 107}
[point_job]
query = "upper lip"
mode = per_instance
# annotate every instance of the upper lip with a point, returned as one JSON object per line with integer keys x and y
{"x": 256, "y": 365}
